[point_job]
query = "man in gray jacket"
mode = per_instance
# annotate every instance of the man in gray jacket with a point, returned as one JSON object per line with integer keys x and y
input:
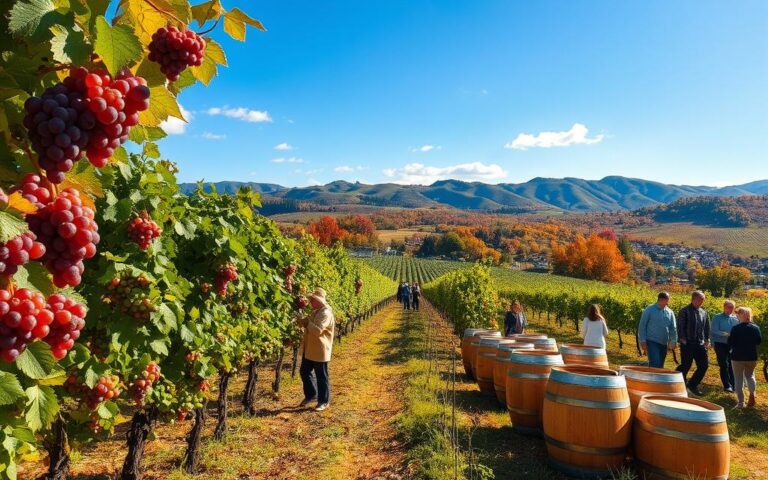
{"x": 693, "y": 329}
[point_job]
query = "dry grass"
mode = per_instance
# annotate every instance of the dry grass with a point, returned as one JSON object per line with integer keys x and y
{"x": 739, "y": 241}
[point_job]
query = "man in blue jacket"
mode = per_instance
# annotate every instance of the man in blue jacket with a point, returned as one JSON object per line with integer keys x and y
{"x": 722, "y": 323}
{"x": 657, "y": 331}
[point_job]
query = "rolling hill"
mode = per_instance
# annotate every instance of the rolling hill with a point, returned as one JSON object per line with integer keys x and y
{"x": 566, "y": 194}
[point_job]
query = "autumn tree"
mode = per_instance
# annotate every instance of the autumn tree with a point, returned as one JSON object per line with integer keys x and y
{"x": 594, "y": 258}
{"x": 327, "y": 230}
{"x": 723, "y": 279}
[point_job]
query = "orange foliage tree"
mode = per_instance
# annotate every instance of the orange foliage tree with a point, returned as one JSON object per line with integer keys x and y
{"x": 595, "y": 258}
{"x": 327, "y": 230}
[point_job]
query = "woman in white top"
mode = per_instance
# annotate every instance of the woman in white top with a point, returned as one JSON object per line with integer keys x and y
{"x": 593, "y": 328}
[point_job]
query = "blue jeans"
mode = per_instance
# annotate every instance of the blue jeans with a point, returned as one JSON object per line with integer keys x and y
{"x": 317, "y": 385}
{"x": 657, "y": 354}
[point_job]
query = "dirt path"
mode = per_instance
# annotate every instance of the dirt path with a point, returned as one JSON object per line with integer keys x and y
{"x": 354, "y": 439}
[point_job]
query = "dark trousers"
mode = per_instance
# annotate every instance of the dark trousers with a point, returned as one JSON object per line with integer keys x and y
{"x": 657, "y": 354}
{"x": 406, "y": 303}
{"x": 689, "y": 354}
{"x": 724, "y": 362}
{"x": 317, "y": 385}
{"x": 415, "y": 303}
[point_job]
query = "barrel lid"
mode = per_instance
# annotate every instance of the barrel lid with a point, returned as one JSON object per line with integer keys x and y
{"x": 587, "y": 376}
{"x": 650, "y": 374}
{"x": 583, "y": 350}
{"x": 536, "y": 357}
{"x": 512, "y": 346}
{"x": 685, "y": 409}
{"x": 528, "y": 335}
{"x": 542, "y": 341}
{"x": 471, "y": 332}
{"x": 490, "y": 340}
{"x": 487, "y": 333}
{"x": 477, "y": 339}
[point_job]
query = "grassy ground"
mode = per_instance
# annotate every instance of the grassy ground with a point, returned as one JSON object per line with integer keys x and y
{"x": 354, "y": 439}
{"x": 740, "y": 241}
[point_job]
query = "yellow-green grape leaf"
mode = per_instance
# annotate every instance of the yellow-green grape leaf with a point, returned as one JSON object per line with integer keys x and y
{"x": 141, "y": 134}
{"x": 150, "y": 71}
{"x": 146, "y": 17}
{"x": 151, "y": 150}
{"x": 214, "y": 55}
{"x": 69, "y": 46}
{"x": 10, "y": 388}
{"x": 117, "y": 46}
{"x": 162, "y": 104}
{"x": 186, "y": 79}
{"x": 210, "y": 10}
{"x": 41, "y": 407}
{"x": 83, "y": 177}
{"x": 11, "y": 226}
{"x": 120, "y": 155}
{"x": 235, "y": 21}
{"x": 17, "y": 202}
{"x": 34, "y": 276}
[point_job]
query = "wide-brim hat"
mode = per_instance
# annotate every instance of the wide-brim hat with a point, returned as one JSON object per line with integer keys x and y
{"x": 319, "y": 295}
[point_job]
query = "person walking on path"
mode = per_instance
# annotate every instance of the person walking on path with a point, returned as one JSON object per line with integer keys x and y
{"x": 406, "y": 296}
{"x": 515, "y": 321}
{"x": 416, "y": 295}
{"x": 400, "y": 289}
{"x": 722, "y": 323}
{"x": 317, "y": 345}
{"x": 657, "y": 331}
{"x": 693, "y": 332}
{"x": 593, "y": 328}
{"x": 743, "y": 341}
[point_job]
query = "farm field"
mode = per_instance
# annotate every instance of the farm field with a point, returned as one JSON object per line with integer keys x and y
{"x": 738, "y": 241}
{"x": 412, "y": 269}
{"x": 387, "y": 236}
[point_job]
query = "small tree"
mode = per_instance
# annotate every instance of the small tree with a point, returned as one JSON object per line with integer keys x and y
{"x": 595, "y": 258}
{"x": 723, "y": 280}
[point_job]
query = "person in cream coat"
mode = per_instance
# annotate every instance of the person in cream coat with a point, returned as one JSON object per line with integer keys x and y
{"x": 317, "y": 346}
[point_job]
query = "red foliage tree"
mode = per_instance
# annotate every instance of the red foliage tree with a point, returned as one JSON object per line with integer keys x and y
{"x": 595, "y": 258}
{"x": 327, "y": 230}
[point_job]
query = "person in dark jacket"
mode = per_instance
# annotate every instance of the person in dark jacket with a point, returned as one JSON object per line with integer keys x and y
{"x": 693, "y": 335}
{"x": 400, "y": 292}
{"x": 743, "y": 341}
{"x": 406, "y": 296}
{"x": 515, "y": 320}
{"x": 415, "y": 296}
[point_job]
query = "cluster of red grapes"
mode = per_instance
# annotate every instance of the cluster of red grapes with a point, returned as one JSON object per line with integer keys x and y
{"x": 175, "y": 50}
{"x": 358, "y": 286}
{"x": 203, "y": 386}
{"x": 68, "y": 322}
{"x": 107, "y": 388}
{"x": 141, "y": 385}
{"x": 36, "y": 189}
{"x": 18, "y": 251}
{"x": 226, "y": 273}
{"x": 70, "y": 235}
{"x": 128, "y": 295}
{"x": 289, "y": 271}
{"x": 143, "y": 230}
{"x": 89, "y": 113}
{"x": 24, "y": 318}
{"x": 192, "y": 357}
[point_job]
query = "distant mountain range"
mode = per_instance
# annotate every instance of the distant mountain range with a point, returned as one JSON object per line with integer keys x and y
{"x": 567, "y": 194}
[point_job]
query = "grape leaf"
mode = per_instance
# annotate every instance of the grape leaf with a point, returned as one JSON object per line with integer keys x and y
{"x": 117, "y": 46}
{"x": 10, "y": 389}
{"x": 151, "y": 150}
{"x": 34, "y": 275}
{"x": 214, "y": 55}
{"x": 36, "y": 361}
{"x": 235, "y": 21}
{"x": 29, "y": 19}
{"x": 17, "y": 202}
{"x": 146, "y": 17}
{"x": 11, "y": 226}
{"x": 41, "y": 406}
{"x": 161, "y": 106}
{"x": 210, "y": 10}
{"x": 69, "y": 46}
{"x": 141, "y": 134}
{"x": 83, "y": 177}
{"x": 120, "y": 155}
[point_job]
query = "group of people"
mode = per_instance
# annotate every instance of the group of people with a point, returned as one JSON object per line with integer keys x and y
{"x": 733, "y": 334}
{"x": 409, "y": 295}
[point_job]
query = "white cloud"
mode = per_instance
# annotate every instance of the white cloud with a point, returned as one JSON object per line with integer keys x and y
{"x": 577, "y": 135}
{"x": 417, "y": 173}
{"x": 177, "y": 126}
{"x": 241, "y": 113}
{"x": 213, "y": 136}
{"x": 283, "y": 146}
{"x": 288, "y": 160}
{"x": 426, "y": 148}
{"x": 348, "y": 169}
{"x": 311, "y": 171}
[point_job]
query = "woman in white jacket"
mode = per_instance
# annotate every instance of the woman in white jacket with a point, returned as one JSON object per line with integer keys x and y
{"x": 593, "y": 328}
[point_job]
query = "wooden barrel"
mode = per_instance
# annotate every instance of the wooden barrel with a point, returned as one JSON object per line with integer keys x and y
{"x": 466, "y": 358}
{"x": 527, "y": 374}
{"x": 503, "y": 351}
{"x": 677, "y": 437}
{"x": 652, "y": 381}
{"x": 549, "y": 344}
{"x": 472, "y": 344}
{"x": 587, "y": 420}
{"x": 527, "y": 336}
{"x": 485, "y": 358}
{"x": 575, "y": 354}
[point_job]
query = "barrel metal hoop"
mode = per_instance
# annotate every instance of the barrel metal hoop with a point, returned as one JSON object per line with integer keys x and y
{"x": 598, "y": 352}
{"x": 522, "y": 411}
{"x": 662, "y": 472}
{"x": 556, "y": 359}
{"x": 528, "y": 376}
{"x": 709, "y": 416}
{"x": 576, "y": 402}
{"x": 671, "y": 377}
{"x": 596, "y": 381}
{"x": 694, "y": 437}
{"x": 606, "y": 451}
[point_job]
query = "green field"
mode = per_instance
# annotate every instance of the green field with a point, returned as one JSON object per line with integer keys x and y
{"x": 413, "y": 269}
{"x": 739, "y": 241}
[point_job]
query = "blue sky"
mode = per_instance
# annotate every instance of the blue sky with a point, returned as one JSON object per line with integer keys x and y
{"x": 412, "y": 91}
